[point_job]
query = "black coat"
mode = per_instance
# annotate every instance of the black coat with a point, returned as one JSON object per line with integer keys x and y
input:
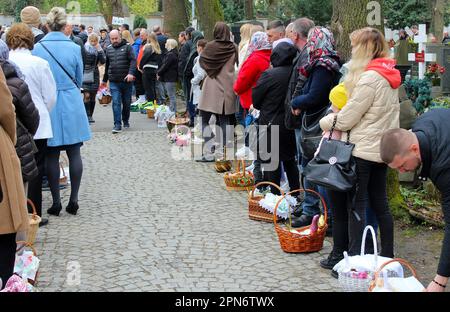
{"x": 120, "y": 61}
{"x": 269, "y": 95}
{"x": 28, "y": 115}
{"x": 432, "y": 132}
{"x": 183, "y": 58}
{"x": 80, "y": 43}
{"x": 168, "y": 72}
{"x": 92, "y": 62}
{"x": 150, "y": 58}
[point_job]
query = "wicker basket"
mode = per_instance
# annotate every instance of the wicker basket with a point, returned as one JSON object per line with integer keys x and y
{"x": 34, "y": 221}
{"x": 350, "y": 284}
{"x": 177, "y": 121}
{"x": 222, "y": 165}
{"x": 105, "y": 100}
{"x": 24, "y": 244}
{"x": 374, "y": 281}
{"x": 296, "y": 243}
{"x": 151, "y": 112}
{"x": 239, "y": 181}
{"x": 255, "y": 211}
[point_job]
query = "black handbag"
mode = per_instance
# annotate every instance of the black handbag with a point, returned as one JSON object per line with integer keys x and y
{"x": 334, "y": 167}
{"x": 311, "y": 133}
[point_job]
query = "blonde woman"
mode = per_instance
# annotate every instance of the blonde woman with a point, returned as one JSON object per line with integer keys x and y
{"x": 246, "y": 35}
{"x": 95, "y": 56}
{"x": 372, "y": 85}
{"x": 149, "y": 66}
{"x": 127, "y": 36}
{"x": 168, "y": 73}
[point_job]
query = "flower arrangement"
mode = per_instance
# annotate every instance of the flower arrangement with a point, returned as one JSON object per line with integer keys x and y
{"x": 433, "y": 73}
{"x": 419, "y": 91}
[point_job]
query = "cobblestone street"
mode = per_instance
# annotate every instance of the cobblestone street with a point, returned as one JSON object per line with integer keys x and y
{"x": 150, "y": 223}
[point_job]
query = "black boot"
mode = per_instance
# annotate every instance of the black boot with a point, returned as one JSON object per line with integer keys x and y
{"x": 332, "y": 260}
{"x": 72, "y": 208}
{"x": 55, "y": 209}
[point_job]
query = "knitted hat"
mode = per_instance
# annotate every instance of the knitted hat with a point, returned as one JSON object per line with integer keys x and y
{"x": 338, "y": 96}
{"x": 31, "y": 16}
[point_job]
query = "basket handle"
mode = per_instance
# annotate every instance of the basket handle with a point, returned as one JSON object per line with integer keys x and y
{"x": 289, "y": 210}
{"x": 33, "y": 207}
{"x": 374, "y": 240}
{"x": 26, "y": 244}
{"x": 399, "y": 260}
{"x": 266, "y": 183}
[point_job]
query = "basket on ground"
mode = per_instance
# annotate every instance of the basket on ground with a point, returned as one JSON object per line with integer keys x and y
{"x": 34, "y": 221}
{"x": 378, "y": 283}
{"x": 239, "y": 180}
{"x": 296, "y": 240}
{"x": 22, "y": 245}
{"x": 177, "y": 121}
{"x": 255, "y": 211}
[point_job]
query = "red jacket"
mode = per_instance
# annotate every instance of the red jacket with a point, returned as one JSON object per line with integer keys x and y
{"x": 249, "y": 74}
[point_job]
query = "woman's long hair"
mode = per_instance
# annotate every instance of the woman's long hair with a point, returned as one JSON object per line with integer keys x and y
{"x": 127, "y": 36}
{"x": 153, "y": 43}
{"x": 367, "y": 44}
{"x": 245, "y": 35}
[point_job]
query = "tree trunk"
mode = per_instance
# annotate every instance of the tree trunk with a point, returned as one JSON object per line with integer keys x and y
{"x": 209, "y": 13}
{"x": 350, "y": 15}
{"x": 249, "y": 13}
{"x": 437, "y": 10}
{"x": 175, "y": 17}
{"x": 272, "y": 8}
{"x": 111, "y": 8}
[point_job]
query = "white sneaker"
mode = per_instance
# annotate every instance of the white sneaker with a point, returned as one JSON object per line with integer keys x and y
{"x": 140, "y": 100}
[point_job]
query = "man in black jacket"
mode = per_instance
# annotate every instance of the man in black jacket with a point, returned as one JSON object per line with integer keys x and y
{"x": 120, "y": 70}
{"x": 427, "y": 145}
{"x": 183, "y": 58}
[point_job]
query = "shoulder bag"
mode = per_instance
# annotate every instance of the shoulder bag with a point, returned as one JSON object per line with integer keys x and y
{"x": 311, "y": 133}
{"x": 334, "y": 167}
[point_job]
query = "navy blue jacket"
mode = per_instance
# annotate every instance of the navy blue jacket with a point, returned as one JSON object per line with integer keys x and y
{"x": 316, "y": 90}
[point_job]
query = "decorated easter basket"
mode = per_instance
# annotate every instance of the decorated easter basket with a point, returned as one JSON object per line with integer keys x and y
{"x": 255, "y": 211}
{"x": 176, "y": 121}
{"x": 105, "y": 100}
{"x": 379, "y": 281}
{"x": 296, "y": 242}
{"x": 239, "y": 180}
{"x": 222, "y": 165}
{"x": 22, "y": 245}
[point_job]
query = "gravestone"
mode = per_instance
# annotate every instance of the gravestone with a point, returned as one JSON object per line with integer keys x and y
{"x": 442, "y": 58}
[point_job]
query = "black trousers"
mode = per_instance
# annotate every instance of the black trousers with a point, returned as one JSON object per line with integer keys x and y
{"x": 222, "y": 121}
{"x": 138, "y": 84}
{"x": 35, "y": 185}
{"x": 89, "y": 102}
{"x": 347, "y": 229}
{"x": 7, "y": 256}
{"x": 149, "y": 81}
{"x": 274, "y": 176}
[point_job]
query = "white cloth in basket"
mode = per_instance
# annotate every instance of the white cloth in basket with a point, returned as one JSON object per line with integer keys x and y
{"x": 162, "y": 114}
{"x": 270, "y": 201}
{"x": 368, "y": 263}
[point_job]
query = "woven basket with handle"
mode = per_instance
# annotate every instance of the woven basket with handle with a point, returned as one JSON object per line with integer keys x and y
{"x": 21, "y": 245}
{"x": 296, "y": 243}
{"x": 239, "y": 180}
{"x": 376, "y": 276}
{"x": 34, "y": 221}
{"x": 255, "y": 211}
{"x": 176, "y": 121}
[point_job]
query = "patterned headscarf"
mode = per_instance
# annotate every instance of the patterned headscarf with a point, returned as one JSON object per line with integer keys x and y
{"x": 321, "y": 51}
{"x": 259, "y": 41}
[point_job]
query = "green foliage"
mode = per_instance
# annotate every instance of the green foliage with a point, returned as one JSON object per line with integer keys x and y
{"x": 402, "y": 13}
{"x": 397, "y": 203}
{"x": 143, "y": 7}
{"x": 419, "y": 91}
{"x": 233, "y": 11}
{"x": 440, "y": 102}
{"x": 139, "y": 22}
{"x": 319, "y": 11}
{"x": 19, "y": 5}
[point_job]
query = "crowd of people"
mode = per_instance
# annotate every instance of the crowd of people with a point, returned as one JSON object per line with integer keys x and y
{"x": 274, "y": 79}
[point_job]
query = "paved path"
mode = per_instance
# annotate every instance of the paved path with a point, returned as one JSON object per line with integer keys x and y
{"x": 150, "y": 223}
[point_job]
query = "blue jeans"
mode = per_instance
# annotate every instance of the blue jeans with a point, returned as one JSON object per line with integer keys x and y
{"x": 160, "y": 92}
{"x": 121, "y": 94}
{"x": 171, "y": 88}
{"x": 311, "y": 203}
{"x": 240, "y": 113}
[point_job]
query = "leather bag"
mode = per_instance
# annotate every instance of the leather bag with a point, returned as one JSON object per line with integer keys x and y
{"x": 334, "y": 167}
{"x": 311, "y": 133}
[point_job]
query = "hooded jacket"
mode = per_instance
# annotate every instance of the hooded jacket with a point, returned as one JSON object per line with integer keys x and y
{"x": 269, "y": 95}
{"x": 249, "y": 74}
{"x": 372, "y": 109}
